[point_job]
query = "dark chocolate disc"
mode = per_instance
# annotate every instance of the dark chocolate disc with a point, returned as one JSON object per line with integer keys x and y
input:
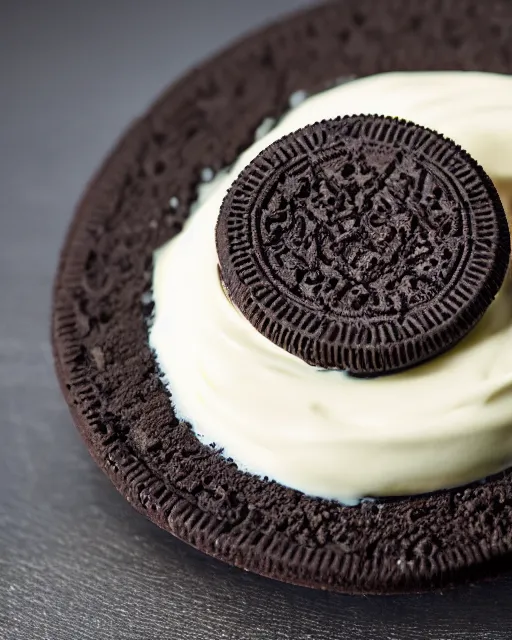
{"x": 109, "y": 376}
{"x": 364, "y": 243}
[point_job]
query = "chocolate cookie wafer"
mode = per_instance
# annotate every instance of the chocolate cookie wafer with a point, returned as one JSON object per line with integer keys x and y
{"x": 364, "y": 243}
{"x": 108, "y": 373}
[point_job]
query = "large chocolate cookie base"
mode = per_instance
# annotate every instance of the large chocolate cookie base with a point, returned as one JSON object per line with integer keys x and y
{"x": 108, "y": 373}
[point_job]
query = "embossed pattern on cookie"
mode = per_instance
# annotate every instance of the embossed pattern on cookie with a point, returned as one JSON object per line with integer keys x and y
{"x": 364, "y": 243}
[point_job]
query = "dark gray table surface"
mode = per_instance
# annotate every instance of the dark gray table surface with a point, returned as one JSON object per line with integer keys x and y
{"x": 75, "y": 560}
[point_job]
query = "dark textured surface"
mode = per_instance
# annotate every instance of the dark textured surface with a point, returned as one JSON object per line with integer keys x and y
{"x": 359, "y": 244}
{"x": 75, "y": 560}
{"x": 108, "y": 374}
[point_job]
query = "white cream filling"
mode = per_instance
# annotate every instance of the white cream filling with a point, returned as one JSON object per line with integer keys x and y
{"x": 443, "y": 423}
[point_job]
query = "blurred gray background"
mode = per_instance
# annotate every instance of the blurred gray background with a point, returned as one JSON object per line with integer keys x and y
{"x": 72, "y": 75}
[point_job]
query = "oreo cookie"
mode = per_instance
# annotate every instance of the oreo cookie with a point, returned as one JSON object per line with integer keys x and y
{"x": 363, "y": 243}
{"x": 108, "y": 374}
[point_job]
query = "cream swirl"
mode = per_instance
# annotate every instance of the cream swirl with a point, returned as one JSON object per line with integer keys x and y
{"x": 443, "y": 423}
